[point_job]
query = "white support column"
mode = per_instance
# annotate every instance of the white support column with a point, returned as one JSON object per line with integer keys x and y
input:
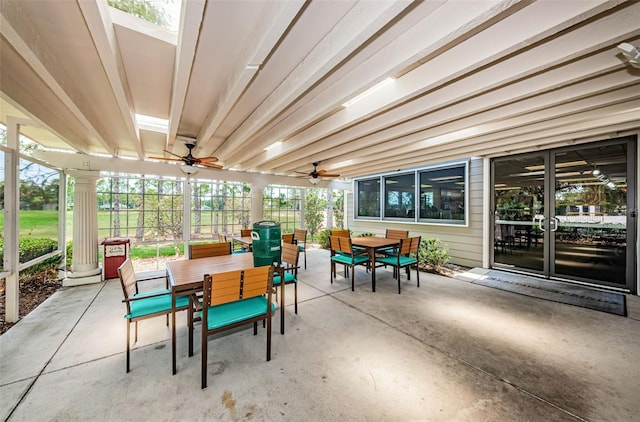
{"x": 486, "y": 213}
{"x": 84, "y": 265}
{"x": 186, "y": 214}
{"x": 12, "y": 222}
{"x": 257, "y": 205}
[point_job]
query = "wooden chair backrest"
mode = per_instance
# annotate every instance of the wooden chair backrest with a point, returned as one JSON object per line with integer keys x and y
{"x": 222, "y": 238}
{"x": 128, "y": 279}
{"x": 341, "y": 244}
{"x": 341, "y": 232}
{"x": 415, "y": 246}
{"x": 396, "y": 234}
{"x": 232, "y": 286}
{"x": 245, "y": 233}
{"x": 290, "y": 255}
{"x": 209, "y": 249}
{"x": 300, "y": 236}
{"x": 287, "y": 238}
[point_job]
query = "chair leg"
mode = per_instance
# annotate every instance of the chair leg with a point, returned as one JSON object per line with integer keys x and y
{"x": 190, "y": 324}
{"x": 268, "y": 337}
{"x": 353, "y": 271}
{"x": 136, "y": 330}
{"x": 333, "y": 271}
{"x": 295, "y": 287}
{"x": 305, "y": 257}
{"x": 128, "y": 341}
{"x": 418, "y": 274}
{"x": 203, "y": 347}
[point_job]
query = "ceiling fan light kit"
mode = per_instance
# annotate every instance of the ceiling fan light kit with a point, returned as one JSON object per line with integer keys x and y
{"x": 314, "y": 176}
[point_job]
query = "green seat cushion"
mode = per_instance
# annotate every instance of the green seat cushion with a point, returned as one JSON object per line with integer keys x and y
{"x": 301, "y": 248}
{"x": 393, "y": 260}
{"x": 346, "y": 259}
{"x": 288, "y": 278}
{"x": 240, "y": 310}
{"x": 154, "y": 305}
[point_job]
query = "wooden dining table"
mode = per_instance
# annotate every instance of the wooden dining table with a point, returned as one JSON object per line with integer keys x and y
{"x": 373, "y": 245}
{"x": 186, "y": 277}
{"x": 245, "y": 241}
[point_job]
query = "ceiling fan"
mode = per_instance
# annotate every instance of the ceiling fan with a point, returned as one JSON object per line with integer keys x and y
{"x": 316, "y": 174}
{"x": 190, "y": 160}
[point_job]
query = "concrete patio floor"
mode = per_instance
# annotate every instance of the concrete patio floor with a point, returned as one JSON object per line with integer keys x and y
{"x": 447, "y": 351}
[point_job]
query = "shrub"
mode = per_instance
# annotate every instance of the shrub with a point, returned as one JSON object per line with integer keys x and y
{"x": 432, "y": 254}
{"x": 367, "y": 234}
{"x": 323, "y": 238}
{"x": 31, "y": 248}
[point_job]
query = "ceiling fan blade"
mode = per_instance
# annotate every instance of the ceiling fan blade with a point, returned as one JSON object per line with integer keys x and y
{"x": 323, "y": 173}
{"x": 207, "y": 159}
{"x": 303, "y": 173}
{"x": 166, "y": 159}
{"x": 175, "y": 155}
{"x": 210, "y": 165}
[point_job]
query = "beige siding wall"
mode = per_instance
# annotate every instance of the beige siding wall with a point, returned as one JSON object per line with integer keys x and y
{"x": 465, "y": 243}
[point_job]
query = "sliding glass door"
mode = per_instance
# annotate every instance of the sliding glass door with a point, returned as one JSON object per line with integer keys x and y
{"x": 568, "y": 213}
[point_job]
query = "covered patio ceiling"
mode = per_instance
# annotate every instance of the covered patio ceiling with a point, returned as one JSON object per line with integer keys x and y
{"x": 471, "y": 78}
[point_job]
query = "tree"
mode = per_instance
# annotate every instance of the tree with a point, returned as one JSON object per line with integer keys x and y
{"x": 144, "y": 9}
{"x": 338, "y": 208}
{"x": 314, "y": 210}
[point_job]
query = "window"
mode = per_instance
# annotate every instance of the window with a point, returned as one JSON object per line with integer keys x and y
{"x": 441, "y": 196}
{"x": 399, "y": 194}
{"x": 284, "y": 205}
{"x": 219, "y": 207}
{"x": 368, "y": 198}
{"x": 140, "y": 208}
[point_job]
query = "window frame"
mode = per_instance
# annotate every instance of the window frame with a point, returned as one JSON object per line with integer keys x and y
{"x": 416, "y": 172}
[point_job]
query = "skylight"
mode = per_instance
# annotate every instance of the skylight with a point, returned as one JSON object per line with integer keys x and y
{"x": 154, "y": 124}
{"x": 164, "y": 13}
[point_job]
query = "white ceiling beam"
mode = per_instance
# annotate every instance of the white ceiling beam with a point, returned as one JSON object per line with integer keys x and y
{"x": 69, "y": 161}
{"x": 46, "y": 66}
{"x": 441, "y": 24}
{"x": 464, "y": 59}
{"x": 443, "y": 138}
{"x": 442, "y": 107}
{"x": 360, "y": 24}
{"x": 98, "y": 19}
{"x": 190, "y": 21}
{"x": 527, "y": 138}
{"x": 273, "y": 30}
{"x": 470, "y": 86}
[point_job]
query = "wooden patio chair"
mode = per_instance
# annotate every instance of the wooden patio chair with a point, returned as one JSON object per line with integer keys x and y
{"x": 300, "y": 238}
{"x": 342, "y": 253}
{"x": 233, "y": 299}
{"x": 393, "y": 234}
{"x": 290, "y": 255}
{"x": 143, "y": 305}
{"x": 406, "y": 256}
{"x": 209, "y": 249}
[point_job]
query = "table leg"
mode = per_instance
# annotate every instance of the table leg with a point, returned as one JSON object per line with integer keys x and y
{"x": 372, "y": 260}
{"x": 173, "y": 332}
{"x": 282, "y": 301}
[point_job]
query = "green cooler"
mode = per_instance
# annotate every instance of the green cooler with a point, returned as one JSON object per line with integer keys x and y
{"x": 266, "y": 241}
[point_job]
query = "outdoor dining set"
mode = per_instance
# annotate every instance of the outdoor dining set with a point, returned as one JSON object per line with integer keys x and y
{"x": 222, "y": 288}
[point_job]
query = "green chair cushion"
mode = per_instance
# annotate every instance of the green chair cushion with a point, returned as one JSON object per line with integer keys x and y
{"x": 393, "y": 260}
{"x": 154, "y": 305}
{"x": 288, "y": 278}
{"x": 346, "y": 259}
{"x": 240, "y": 310}
{"x": 301, "y": 248}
